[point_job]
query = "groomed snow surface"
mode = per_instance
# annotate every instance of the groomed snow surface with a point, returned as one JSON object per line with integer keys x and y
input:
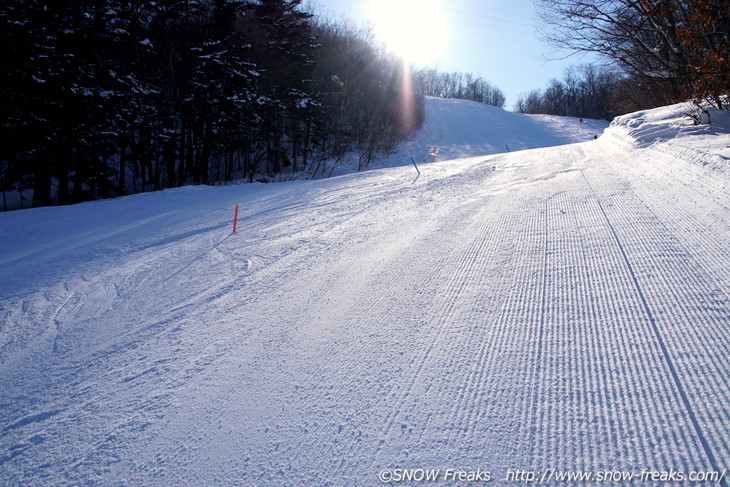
{"x": 561, "y": 308}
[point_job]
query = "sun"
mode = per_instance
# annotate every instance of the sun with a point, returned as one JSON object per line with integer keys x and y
{"x": 410, "y": 28}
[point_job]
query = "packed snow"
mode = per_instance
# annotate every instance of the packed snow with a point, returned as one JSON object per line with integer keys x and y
{"x": 511, "y": 317}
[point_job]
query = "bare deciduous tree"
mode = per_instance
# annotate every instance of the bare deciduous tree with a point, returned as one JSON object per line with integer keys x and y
{"x": 681, "y": 46}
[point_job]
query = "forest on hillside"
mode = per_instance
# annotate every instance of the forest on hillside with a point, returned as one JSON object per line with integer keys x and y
{"x": 102, "y": 98}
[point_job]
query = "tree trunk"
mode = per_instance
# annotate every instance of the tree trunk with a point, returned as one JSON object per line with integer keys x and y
{"x": 41, "y": 183}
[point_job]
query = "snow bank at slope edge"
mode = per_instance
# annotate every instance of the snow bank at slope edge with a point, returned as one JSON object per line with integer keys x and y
{"x": 670, "y": 130}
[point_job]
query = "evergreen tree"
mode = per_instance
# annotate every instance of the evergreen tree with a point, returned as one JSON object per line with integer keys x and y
{"x": 105, "y": 97}
{"x": 283, "y": 43}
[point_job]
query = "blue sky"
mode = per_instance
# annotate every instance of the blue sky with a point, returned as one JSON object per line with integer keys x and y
{"x": 495, "y": 39}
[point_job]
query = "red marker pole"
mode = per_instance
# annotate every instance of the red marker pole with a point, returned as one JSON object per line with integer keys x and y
{"x": 433, "y": 155}
{"x": 235, "y": 218}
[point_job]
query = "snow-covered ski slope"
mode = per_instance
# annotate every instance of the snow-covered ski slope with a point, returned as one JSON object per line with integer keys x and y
{"x": 564, "y": 308}
{"x": 461, "y": 128}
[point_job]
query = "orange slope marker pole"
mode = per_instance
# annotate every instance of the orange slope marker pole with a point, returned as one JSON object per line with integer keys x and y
{"x": 235, "y": 218}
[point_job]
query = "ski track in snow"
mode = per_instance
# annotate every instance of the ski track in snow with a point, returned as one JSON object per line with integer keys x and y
{"x": 560, "y": 308}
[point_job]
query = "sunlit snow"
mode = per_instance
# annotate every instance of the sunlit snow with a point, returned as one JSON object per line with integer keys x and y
{"x": 556, "y": 308}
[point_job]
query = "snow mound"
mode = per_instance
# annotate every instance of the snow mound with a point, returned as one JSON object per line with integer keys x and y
{"x": 674, "y": 123}
{"x": 670, "y": 130}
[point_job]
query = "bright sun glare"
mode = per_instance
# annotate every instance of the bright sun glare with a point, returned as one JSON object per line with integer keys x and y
{"x": 411, "y": 28}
